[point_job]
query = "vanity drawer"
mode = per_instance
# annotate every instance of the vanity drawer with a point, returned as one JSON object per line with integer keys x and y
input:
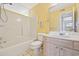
{"x": 52, "y": 40}
{"x": 76, "y": 45}
{"x": 62, "y": 42}
{"x": 66, "y": 43}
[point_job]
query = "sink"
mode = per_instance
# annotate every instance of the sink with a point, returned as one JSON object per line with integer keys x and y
{"x": 58, "y": 33}
{"x": 53, "y": 33}
{"x": 65, "y": 35}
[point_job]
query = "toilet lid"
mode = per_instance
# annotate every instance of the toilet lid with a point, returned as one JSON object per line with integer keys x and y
{"x": 35, "y": 43}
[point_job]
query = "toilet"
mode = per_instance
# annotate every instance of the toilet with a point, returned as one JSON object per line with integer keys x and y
{"x": 36, "y": 45}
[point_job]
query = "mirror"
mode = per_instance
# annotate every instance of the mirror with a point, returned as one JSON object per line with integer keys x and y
{"x": 68, "y": 22}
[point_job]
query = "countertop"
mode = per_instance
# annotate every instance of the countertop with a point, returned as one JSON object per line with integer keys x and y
{"x": 65, "y": 37}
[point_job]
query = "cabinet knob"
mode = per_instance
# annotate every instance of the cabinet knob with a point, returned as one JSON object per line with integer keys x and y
{"x": 4, "y": 41}
{"x": 0, "y": 38}
{"x": 56, "y": 47}
{"x": 61, "y": 48}
{"x": 1, "y": 47}
{"x": 0, "y": 42}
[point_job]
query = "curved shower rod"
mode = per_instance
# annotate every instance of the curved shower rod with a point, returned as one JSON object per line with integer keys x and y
{"x": 2, "y": 7}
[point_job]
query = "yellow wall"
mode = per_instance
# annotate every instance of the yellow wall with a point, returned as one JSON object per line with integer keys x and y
{"x": 55, "y": 17}
{"x": 41, "y": 13}
{"x": 50, "y": 20}
{"x": 54, "y": 20}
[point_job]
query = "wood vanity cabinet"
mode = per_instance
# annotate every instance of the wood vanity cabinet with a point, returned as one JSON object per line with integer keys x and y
{"x": 76, "y": 45}
{"x": 65, "y": 52}
{"x": 50, "y": 49}
{"x": 60, "y": 47}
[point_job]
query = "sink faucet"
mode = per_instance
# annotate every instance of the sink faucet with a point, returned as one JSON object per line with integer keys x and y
{"x": 62, "y": 33}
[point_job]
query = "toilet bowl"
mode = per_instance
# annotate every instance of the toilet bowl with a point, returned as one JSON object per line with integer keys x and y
{"x": 36, "y": 46}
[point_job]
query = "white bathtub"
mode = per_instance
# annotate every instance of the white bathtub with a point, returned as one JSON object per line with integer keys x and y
{"x": 15, "y": 50}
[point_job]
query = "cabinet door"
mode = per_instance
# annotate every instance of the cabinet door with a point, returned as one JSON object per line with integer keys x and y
{"x": 75, "y": 53}
{"x": 45, "y": 46}
{"x": 65, "y": 52}
{"x": 53, "y": 50}
{"x": 50, "y": 49}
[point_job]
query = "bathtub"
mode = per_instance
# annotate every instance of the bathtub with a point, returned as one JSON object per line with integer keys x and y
{"x": 15, "y": 50}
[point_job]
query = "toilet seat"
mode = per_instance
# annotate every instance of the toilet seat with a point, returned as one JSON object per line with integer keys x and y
{"x": 36, "y": 44}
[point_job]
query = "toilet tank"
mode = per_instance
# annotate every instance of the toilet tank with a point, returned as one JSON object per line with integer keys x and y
{"x": 40, "y": 36}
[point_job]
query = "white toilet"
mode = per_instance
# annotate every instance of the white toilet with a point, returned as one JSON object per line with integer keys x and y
{"x": 36, "y": 45}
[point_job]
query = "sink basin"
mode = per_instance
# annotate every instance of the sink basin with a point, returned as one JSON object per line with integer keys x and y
{"x": 53, "y": 33}
{"x": 58, "y": 33}
{"x": 68, "y": 35}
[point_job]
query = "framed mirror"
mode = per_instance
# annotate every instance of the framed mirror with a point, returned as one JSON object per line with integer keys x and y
{"x": 68, "y": 22}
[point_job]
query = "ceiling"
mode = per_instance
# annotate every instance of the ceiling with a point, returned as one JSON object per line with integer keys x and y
{"x": 28, "y": 5}
{"x": 57, "y": 6}
{"x": 21, "y": 8}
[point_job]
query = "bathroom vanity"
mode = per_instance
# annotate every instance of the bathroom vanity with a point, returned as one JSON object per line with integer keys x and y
{"x": 59, "y": 45}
